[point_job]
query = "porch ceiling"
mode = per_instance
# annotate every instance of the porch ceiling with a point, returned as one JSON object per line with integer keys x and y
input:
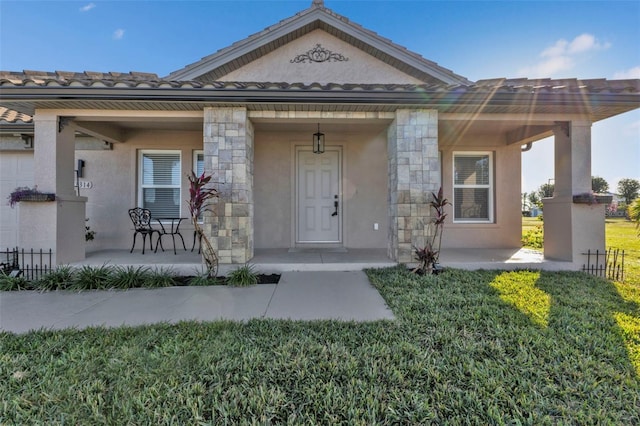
{"x": 450, "y": 131}
{"x": 335, "y": 126}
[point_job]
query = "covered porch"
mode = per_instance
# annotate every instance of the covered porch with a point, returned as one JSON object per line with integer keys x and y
{"x": 394, "y": 147}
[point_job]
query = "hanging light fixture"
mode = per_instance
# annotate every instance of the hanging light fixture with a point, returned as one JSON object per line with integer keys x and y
{"x": 318, "y": 141}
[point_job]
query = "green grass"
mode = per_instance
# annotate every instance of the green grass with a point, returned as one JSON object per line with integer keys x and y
{"x": 620, "y": 233}
{"x": 485, "y": 347}
{"x": 529, "y": 223}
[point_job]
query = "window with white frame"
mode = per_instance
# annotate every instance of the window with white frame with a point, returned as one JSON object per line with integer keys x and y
{"x": 160, "y": 176}
{"x": 473, "y": 187}
{"x": 198, "y": 162}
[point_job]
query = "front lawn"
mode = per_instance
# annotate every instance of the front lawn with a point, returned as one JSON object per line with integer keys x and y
{"x": 485, "y": 347}
{"x": 620, "y": 233}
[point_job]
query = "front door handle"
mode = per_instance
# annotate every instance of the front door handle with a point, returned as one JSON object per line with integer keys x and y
{"x": 335, "y": 204}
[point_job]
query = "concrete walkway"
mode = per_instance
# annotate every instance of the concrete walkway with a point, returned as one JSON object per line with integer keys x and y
{"x": 345, "y": 296}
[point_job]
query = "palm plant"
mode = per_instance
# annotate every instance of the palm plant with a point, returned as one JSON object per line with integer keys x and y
{"x": 634, "y": 213}
{"x": 200, "y": 196}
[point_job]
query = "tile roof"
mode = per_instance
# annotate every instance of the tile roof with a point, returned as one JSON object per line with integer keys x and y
{"x": 89, "y": 79}
{"x": 9, "y": 116}
{"x": 26, "y": 91}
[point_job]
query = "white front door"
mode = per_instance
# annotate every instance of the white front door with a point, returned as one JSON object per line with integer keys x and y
{"x": 319, "y": 207}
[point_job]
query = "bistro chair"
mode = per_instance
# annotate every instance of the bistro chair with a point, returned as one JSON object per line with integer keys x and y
{"x": 141, "y": 219}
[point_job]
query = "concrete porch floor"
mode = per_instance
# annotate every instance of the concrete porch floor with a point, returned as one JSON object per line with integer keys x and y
{"x": 282, "y": 260}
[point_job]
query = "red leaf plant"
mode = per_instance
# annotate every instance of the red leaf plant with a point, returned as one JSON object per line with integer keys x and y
{"x": 200, "y": 197}
{"x": 428, "y": 255}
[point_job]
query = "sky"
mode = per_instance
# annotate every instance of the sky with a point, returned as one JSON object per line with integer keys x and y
{"x": 476, "y": 39}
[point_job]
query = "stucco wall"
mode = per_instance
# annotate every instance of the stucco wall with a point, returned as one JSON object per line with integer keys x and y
{"x": 114, "y": 178}
{"x": 16, "y": 169}
{"x": 506, "y": 231}
{"x": 360, "y": 68}
{"x": 364, "y": 187}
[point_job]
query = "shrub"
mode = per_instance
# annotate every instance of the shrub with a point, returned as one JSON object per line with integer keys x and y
{"x": 634, "y": 213}
{"x": 160, "y": 278}
{"x": 92, "y": 278}
{"x": 125, "y": 277}
{"x": 243, "y": 276}
{"x": 61, "y": 278}
{"x": 89, "y": 235}
{"x": 203, "y": 279}
{"x": 533, "y": 238}
{"x": 9, "y": 283}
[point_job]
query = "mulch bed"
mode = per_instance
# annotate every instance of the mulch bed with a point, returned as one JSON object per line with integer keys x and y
{"x": 262, "y": 279}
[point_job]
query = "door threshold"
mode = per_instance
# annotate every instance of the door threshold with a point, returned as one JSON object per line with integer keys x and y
{"x": 318, "y": 250}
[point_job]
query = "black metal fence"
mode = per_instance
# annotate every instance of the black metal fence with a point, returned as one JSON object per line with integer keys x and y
{"x": 608, "y": 264}
{"x": 29, "y": 264}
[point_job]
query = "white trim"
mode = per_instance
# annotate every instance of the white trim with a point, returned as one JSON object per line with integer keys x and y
{"x": 194, "y": 164}
{"x": 296, "y": 148}
{"x": 141, "y": 186}
{"x": 490, "y": 186}
{"x": 194, "y": 168}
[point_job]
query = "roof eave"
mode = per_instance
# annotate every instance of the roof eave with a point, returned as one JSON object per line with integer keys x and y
{"x": 423, "y": 98}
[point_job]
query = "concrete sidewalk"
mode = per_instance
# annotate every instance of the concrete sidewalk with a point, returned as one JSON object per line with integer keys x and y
{"x": 346, "y": 296}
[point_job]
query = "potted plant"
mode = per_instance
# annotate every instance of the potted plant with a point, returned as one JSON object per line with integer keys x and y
{"x": 24, "y": 193}
{"x": 592, "y": 198}
{"x": 89, "y": 235}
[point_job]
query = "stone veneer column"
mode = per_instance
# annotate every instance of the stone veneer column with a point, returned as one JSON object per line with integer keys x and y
{"x": 414, "y": 173}
{"x": 228, "y": 156}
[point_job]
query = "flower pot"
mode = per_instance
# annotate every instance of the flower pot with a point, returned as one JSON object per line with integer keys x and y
{"x": 38, "y": 197}
{"x": 592, "y": 199}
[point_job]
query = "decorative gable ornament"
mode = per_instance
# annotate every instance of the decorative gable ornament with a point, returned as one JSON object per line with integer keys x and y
{"x": 319, "y": 54}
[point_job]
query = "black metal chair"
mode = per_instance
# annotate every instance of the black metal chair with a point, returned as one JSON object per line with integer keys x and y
{"x": 141, "y": 219}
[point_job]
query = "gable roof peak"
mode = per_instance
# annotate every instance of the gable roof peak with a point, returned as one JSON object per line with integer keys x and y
{"x": 317, "y": 16}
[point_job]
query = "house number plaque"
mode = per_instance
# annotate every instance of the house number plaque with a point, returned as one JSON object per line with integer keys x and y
{"x": 85, "y": 184}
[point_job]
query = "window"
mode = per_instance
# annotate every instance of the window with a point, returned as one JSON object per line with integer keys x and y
{"x": 473, "y": 187}
{"x": 198, "y": 162}
{"x": 160, "y": 182}
{"x": 198, "y": 168}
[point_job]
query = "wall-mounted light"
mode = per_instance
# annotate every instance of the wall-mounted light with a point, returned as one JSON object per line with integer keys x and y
{"x": 80, "y": 169}
{"x": 28, "y": 140}
{"x": 318, "y": 141}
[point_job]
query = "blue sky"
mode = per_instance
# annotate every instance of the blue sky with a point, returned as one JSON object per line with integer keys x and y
{"x": 477, "y": 39}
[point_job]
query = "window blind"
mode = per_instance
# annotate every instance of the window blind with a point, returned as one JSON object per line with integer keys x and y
{"x": 472, "y": 188}
{"x": 160, "y": 183}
